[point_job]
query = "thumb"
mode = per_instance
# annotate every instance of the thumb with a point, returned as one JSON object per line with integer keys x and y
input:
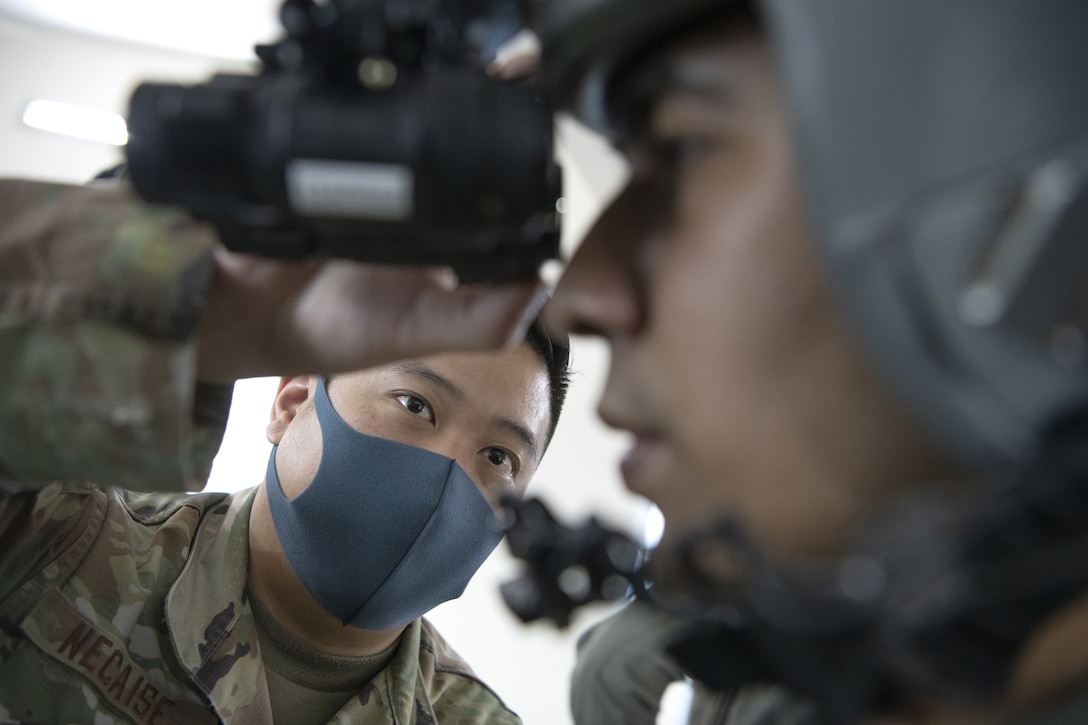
{"x": 481, "y": 317}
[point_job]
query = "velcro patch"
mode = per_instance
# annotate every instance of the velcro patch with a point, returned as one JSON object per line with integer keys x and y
{"x": 102, "y": 659}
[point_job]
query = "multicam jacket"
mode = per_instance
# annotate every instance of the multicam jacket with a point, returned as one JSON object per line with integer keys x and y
{"x": 131, "y": 607}
{"x": 120, "y": 607}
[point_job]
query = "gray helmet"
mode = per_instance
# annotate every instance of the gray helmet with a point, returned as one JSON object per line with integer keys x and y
{"x": 944, "y": 149}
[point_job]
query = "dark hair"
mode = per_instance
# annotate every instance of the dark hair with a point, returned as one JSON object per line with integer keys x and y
{"x": 553, "y": 348}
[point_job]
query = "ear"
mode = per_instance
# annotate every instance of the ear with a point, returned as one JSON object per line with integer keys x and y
{"x": 291, "y": 393}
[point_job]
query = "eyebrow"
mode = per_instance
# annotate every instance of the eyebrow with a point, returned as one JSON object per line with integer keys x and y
{"x": 702, "y": 84}
{"x": 702, "y": 89}
{"x": 421, "y": 370}
{"x": 524, "y": 434}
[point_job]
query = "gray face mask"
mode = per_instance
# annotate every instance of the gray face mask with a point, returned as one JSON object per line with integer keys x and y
{"x": 385, "y": 531}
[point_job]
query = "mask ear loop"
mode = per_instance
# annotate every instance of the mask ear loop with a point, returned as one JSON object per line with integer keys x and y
{"x": 328, "y": 421}
{"x": 323, "y": 406}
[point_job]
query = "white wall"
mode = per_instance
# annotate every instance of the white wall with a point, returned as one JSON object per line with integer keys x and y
{"x": 36, "y": 62}
{"x": 527, "y": 665}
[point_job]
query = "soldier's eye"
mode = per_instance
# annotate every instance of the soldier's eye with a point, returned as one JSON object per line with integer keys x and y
{"x": 416, "y": 406}
{"x": 502, "y": 459}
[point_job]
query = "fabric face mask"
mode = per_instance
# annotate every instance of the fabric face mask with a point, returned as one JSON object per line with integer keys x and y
{"x": 385, "y": 531}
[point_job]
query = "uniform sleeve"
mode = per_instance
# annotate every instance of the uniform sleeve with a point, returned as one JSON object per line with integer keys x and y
{"x": 100, "y": 297}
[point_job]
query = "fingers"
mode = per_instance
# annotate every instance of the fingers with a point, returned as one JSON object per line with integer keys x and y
{"x": 353, "y": 316}
{"x": 267, "y": 317}
{"x": 483, "y": 317}
{"x": 420, "y": 314}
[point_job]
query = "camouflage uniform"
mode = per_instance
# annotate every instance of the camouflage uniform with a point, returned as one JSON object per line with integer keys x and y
{"x": 131, "y": 607}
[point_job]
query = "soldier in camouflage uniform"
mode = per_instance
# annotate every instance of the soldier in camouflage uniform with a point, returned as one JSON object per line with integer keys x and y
{"x": 121, "y": 330}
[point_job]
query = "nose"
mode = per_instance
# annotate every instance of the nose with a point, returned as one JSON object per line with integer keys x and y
{"x": 449, "y": 446}
{"x": 604, "y": 289}
{"x": 464, "y": 452}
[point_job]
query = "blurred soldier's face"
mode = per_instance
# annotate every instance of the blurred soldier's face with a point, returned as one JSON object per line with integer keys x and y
{"x": 741, "y": 389}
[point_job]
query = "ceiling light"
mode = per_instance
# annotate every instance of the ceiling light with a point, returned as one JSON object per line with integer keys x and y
{"x": 91, "y": 124}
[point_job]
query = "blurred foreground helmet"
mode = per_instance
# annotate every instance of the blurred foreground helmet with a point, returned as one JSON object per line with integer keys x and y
{"x": 944, "y": 149}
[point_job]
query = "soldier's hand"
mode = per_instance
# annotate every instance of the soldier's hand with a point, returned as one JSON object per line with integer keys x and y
{"x": 268, "y": 317}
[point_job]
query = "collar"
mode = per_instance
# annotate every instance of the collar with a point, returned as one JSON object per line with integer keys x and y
{"x": 210, "y": 622}
{"x": 214, "y": 634}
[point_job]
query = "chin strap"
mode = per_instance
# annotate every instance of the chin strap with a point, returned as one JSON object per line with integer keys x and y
{"x": 950, "y": 630}
{"x": 936, "y": 599}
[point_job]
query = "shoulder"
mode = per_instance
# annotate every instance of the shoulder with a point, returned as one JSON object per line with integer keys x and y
{"x": 49, "y": 530}
{"x": 50, "y": 515}
{"x": 166, "y": 526}
{"x": 157, "y": 508}
{"x": 68, "y": 515}
{"x": 454, "y": 686}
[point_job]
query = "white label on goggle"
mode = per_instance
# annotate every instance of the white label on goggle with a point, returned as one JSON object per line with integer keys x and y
{"x": 349, "y": 189}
